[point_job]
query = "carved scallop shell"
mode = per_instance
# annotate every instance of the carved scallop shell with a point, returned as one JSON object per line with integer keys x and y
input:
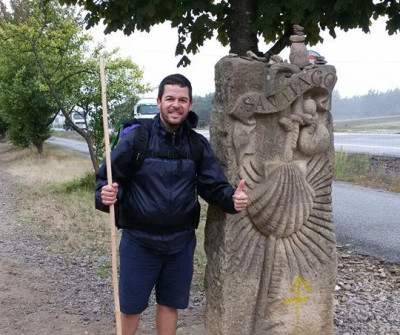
{"x": 282, "y": 203}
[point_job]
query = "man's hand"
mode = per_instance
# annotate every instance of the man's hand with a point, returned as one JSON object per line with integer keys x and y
{"x": 240, "y": 199}
{"x": 109, "y": 194}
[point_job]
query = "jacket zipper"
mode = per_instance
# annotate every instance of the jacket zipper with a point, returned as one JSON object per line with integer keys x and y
{"x": 172, "y": 180}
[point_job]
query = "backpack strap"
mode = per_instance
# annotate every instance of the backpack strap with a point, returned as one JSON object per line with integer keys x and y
{"x": 123, "y": 129}
{"x": 196, "y": 151}
{"x": 141, "y": 142}
{"x": 196, "y": 148}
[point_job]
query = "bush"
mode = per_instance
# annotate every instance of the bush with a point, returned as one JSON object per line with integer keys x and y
{"x": 351, "y": 166}
{"x": 85, "y": 183}
{"x": 359, "y": 169}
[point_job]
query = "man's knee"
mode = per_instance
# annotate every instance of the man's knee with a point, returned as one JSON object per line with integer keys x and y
{"x": 166, "y": 309}
{"x": 129, "y": 323}
{"x": 167, "y": 320}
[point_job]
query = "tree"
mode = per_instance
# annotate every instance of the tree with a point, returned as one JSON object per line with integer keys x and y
{"x": 239, "y": 23}
{"x": 202, "y": 107}
{"x": 25, "y": 104}
{"x": 123, "y": 88}
{"x": 372, "y": 104}
{"x": 53, "y": 36}
{"x": 49, "y": 36}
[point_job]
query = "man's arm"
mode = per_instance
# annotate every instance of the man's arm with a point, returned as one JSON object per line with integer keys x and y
{"x": 121, "y": 165}
{"x": 213, "y": 186}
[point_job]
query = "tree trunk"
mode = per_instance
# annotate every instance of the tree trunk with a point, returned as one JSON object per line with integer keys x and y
{"x": 279, "y": 45}
{"x": 92, "y": 154}
{"x": 39, "y": 146}
{"x": 241, "y": 33}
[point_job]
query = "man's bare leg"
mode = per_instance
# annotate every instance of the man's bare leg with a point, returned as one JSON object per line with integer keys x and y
{"x": 166, "y": 319}
{"x": 129, "y": 323}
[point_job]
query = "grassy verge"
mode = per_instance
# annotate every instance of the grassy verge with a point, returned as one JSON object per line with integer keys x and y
{"x": 392, "y": 127}
{"x": 56, "y": 198}
{"x": 200, "y": 258}
{"x": 73, "y": 135}
{"x": 367, "y": 170}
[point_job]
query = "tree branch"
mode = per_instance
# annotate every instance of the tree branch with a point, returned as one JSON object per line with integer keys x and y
{"x": 280, "y": 44}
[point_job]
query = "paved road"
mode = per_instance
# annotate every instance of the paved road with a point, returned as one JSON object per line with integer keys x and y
{"x": 373, "y": 144}
{"x": 70, "y": 144}
{"x": 368, "y": 220}
{"x": 376, "y": 144}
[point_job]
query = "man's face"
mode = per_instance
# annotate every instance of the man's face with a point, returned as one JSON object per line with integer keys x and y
{"x": 174, "y": 106}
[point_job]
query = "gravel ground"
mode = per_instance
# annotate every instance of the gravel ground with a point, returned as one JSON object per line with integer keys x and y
{"x": 44, "y": 293}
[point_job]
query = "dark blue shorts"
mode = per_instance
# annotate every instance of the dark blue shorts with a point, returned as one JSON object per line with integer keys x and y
{"x": 142, "y": 269}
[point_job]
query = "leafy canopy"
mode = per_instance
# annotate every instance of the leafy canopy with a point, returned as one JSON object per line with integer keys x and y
{"x": 57, "y": 67}
{"x": 271, "y": 20}
{"x": 26, "y": 104}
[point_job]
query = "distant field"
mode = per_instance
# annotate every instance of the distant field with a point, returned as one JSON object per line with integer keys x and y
{"x": 72, "y": 135}
{"x": 382, "y": 121}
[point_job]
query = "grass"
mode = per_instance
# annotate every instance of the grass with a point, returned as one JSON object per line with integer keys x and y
{"x": 359, "y": 169}
{"x": 56, "y": 198}
{"x": 200, "y": 258}
{"x": 392, "y": 127}
{"x": 73, "y": 135}
{"x": 351, "y": 167}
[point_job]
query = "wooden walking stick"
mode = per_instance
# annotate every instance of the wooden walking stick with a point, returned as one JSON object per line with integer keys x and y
{"x": 112, "y": 217}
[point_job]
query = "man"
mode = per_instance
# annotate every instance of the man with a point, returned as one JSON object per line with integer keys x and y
{"x": 157, "y": 207}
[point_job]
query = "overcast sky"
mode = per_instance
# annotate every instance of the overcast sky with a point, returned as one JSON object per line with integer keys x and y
{"x": 363, "y": 61}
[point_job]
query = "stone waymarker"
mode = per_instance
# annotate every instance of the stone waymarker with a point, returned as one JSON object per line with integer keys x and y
{"x": 272, "y": 269}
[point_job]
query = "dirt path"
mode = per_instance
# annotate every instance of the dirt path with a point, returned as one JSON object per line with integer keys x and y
{"x": 47, "y": 294}
{"x": 34, "y": 296}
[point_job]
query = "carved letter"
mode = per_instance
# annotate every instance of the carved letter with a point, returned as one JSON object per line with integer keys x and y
{"x": 260, "y": 104}
{"x": 316, "y": 79}
{"x": 271, "y": 102}
{"x": 302, "y": 81}
{"x": 249, "y": 106}
{"x": 329, "y": 80}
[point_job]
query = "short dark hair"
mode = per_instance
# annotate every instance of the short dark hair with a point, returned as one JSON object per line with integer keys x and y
{"x": 175, "y": 79}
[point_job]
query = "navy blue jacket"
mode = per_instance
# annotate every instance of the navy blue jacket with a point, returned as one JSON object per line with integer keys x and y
{"x": 161, "y": 196}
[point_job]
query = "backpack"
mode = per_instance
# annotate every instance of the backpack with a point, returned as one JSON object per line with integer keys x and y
{"x": 141, "y": 142}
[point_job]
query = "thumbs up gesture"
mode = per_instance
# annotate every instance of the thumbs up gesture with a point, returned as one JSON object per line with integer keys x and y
{"x": 240, "y": 199}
